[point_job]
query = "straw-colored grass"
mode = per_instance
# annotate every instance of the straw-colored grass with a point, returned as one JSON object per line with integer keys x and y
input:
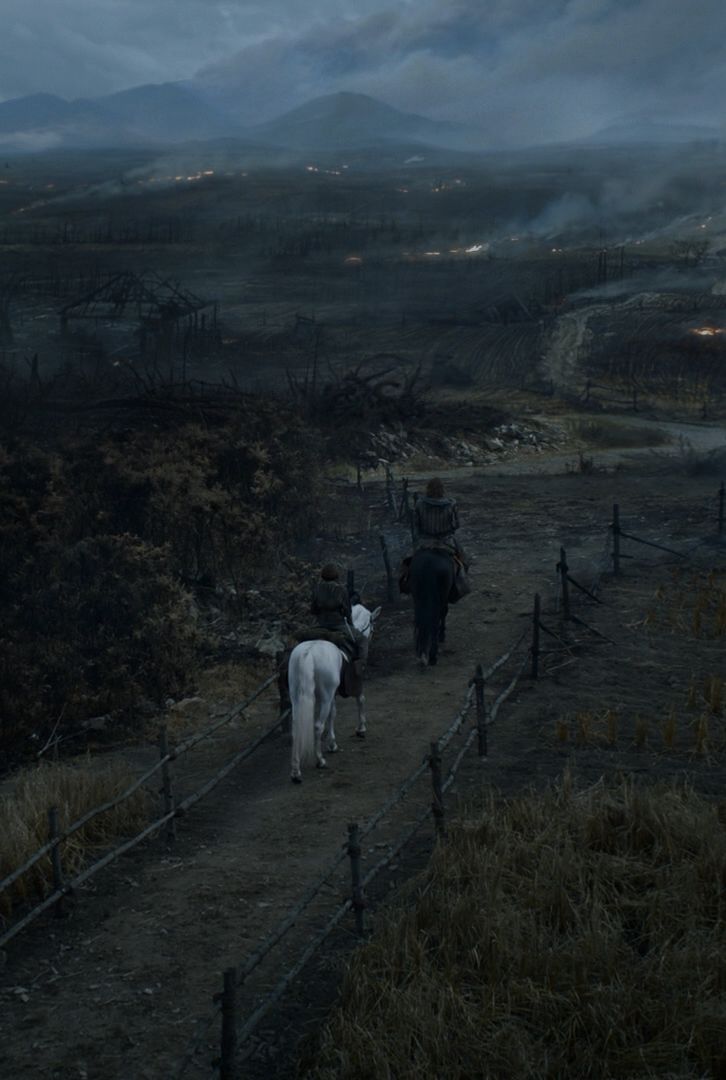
{"x": 74, "y": 788}
{"x": 693, "y": 603}
{"x": 559, "y": 936}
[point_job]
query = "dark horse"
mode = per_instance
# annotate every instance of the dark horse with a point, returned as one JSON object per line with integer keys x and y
{"x": 431, "y": 576}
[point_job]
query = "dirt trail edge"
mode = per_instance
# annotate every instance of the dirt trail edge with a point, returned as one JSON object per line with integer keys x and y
{"x": 115, "y": 990}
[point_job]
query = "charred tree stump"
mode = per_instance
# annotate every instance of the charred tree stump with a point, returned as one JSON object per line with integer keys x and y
{"x": 437, "y": 805}
{"x": 481, "y": 712}
{"x": 389, "y": 570}
{"x": 358, "y": 901}
{"x": 616, "y": 538}
{"x": 55, "y": 859}
{"x": 564, "y": 583}
{"x": 535, "y": 636}
{"x": 166, "y": 785}
{"x": 228, "y": 1047}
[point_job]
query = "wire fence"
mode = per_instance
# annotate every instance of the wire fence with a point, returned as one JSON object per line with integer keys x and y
{"x": 63, "y": 888}
{"x": 234, "y": 1035}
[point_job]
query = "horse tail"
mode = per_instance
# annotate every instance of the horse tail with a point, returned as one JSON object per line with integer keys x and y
{"x": 302, "y": 696}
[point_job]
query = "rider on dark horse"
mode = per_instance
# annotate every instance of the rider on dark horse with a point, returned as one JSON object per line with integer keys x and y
{"x": 435, "y": 574}
{"x": 436, "y": 519}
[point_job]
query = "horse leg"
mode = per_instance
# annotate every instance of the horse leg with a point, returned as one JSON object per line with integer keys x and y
{"x": 295, "y": 773}
{"x": 361, "y": 729}
{"x": 442, "y": 625}
{"x": 321, "y": 721}
{"x": 331, "y": 744}
{"x": 434, "y": 644}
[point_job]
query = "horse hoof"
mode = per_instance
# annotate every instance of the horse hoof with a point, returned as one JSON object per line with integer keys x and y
{"x": 333, "y": 749}
{"x": 296, "y": 779}
{"x": 360, "y": 734}
{"x": 322, "y": 764}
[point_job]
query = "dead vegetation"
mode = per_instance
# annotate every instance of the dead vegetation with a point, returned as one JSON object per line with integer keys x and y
{"x": 74, "y": 789}
{"x": 692, "y": 603}
{"x": 697, "y": 727}
{"x": 115, "y": 536}
{"x": 555, "y": 936}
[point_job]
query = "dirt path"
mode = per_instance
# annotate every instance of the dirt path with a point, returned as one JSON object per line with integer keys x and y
{"x": 114, "y": 992}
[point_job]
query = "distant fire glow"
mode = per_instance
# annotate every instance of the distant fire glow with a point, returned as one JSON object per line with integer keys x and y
{"x": 353, "y": 260}
{"x": 708, "y": 331}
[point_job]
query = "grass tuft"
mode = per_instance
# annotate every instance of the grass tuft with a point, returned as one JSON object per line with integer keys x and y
{"x": 74, "y": 788}
{"x": 560, "y": 936}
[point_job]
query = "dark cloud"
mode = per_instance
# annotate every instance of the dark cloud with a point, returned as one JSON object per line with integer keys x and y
{"x": 521, "y": 70}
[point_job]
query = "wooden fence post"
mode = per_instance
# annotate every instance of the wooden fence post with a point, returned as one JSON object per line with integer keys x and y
{"x": 721, "y": 495}
{"x": 563, "y": 569}
{"x": 55, "y": 859}
{"x": 404, "y": 510}
{"x": 481, "y": 712}
{"x": 354, "y": 853}
{"x": 389, "y": 572}
{"x": 358, "y": 478}
{"x": 437, "y": 804}
{"x": 350, "y": 583}
{"x": 535, "y": 636}
{"x": 616, "y": 538}
{"x": 390, "y": 491}
{"x": 227, "y": 1060}
{"x": 166, "y": 788}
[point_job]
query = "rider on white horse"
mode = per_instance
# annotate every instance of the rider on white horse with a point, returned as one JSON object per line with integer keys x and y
{"x": 331, "y": 606}
{"x": 328, "y": 660}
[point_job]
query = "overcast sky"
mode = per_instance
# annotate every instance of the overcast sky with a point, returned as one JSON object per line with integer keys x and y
{"x": 521, "y": 70}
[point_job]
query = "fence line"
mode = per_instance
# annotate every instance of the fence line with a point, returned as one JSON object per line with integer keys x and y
{"x": 274, "y": 996}
{"x": 153, "y": 827}
{"x": 242, "y": 973}
{"x": 65, "y": 834}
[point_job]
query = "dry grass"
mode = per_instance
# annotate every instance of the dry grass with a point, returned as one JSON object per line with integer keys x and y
{"x": 557, "y": 936}
{"x": 703, "y": 735}
{"x": 693, "y": 603}
{"x": 74, "y": 789}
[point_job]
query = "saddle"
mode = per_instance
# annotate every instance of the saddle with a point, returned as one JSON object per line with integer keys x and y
{"x": 339, "y": 638}
{"x": 460, "y": 586}
{"x": 351, "y": 675}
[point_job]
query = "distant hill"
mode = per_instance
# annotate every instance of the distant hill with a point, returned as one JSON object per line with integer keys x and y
{"x": 343, "y": 120}
{"x": 160, "y": 114}
{"x": 171, "y": 112}
{"x": 648, "y": 133}
{"x": 156, "y": 114}
{"x": 34, "y": 111}
{"x": 164, "y": 114}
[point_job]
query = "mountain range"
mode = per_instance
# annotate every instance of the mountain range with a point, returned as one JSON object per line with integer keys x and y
{"x": 159, "y": 115}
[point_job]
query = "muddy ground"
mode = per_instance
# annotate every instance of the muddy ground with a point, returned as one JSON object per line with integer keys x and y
{"x": 120, "y": 989}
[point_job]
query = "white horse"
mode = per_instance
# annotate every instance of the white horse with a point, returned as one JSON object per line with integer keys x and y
{"x": 314, "y": 673}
